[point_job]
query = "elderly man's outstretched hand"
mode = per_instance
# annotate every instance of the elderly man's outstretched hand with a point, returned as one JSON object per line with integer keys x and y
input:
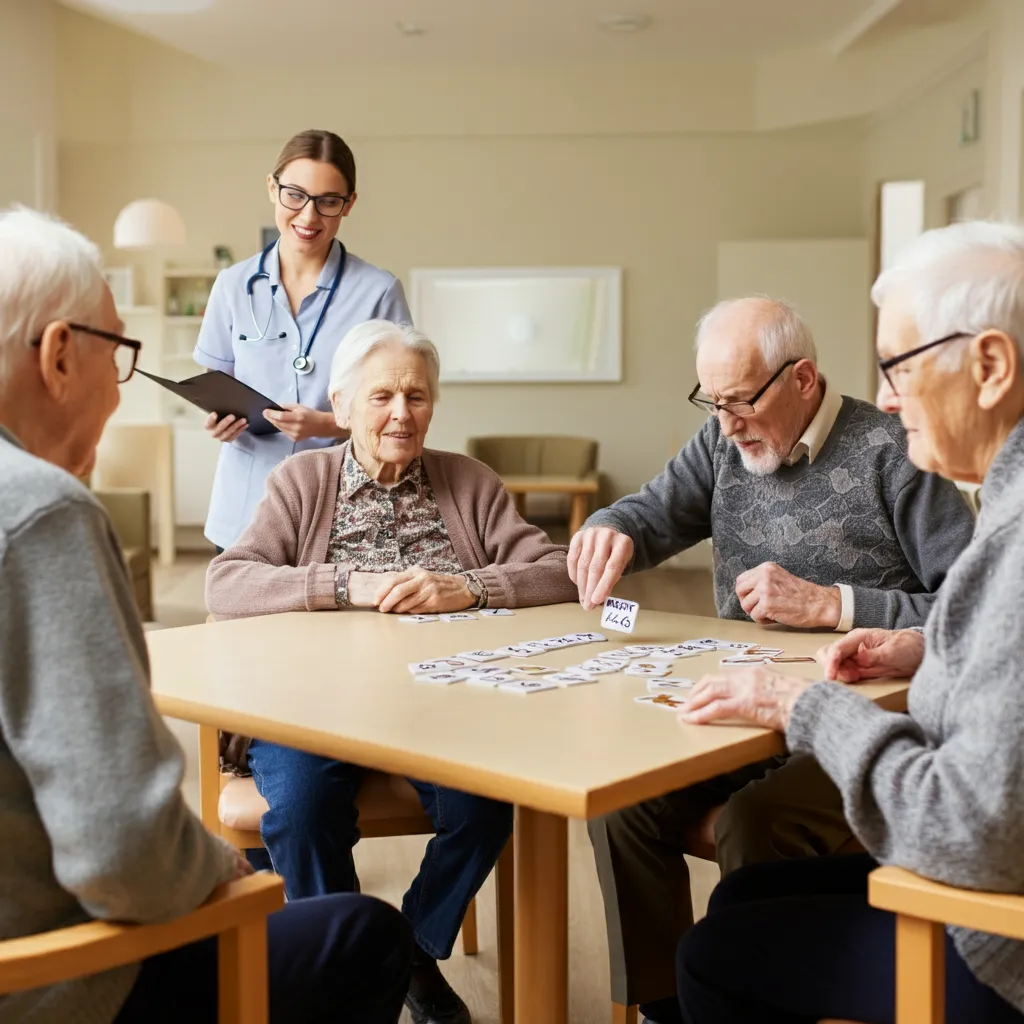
{"x": 872, "y": 654}
{"x": 598, "y": 556}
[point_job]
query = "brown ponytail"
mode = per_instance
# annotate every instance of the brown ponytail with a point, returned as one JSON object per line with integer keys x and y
{"x": 326, "y": 147}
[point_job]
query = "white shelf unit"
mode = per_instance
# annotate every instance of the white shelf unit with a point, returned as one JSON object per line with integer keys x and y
{"x": 168, "y": 341}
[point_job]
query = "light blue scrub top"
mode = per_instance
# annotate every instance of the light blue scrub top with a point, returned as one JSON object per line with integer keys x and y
{"x": 365, "y": 292}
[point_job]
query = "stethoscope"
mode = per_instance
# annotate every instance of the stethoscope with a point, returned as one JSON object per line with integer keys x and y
{"x": 302, "y": 363}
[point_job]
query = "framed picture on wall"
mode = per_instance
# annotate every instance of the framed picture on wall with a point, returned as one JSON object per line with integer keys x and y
{"x": 268, "y": 235}
{"x": 121, "y": 281}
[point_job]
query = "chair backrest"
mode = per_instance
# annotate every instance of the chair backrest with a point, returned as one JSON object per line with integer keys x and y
{"x": 536, "y": 455}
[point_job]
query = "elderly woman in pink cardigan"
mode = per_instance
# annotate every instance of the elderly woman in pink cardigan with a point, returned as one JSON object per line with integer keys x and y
{"x": 381, "y": 522}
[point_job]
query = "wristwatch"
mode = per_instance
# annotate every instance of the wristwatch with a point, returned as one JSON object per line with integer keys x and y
{"x": 476, "y": 588}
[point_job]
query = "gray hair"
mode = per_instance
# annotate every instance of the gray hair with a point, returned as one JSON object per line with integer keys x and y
{"x": 364, "y": 338}
{"x": 48, "y": 271}
{"x": 966, "y": 277}
{"x": 782, "y": 334}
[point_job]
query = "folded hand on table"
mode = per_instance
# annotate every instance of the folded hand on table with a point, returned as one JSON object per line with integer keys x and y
{"x": 414, "y": 591}
{"x": 752, "y": 696}
{"x": 768, "y": 593}
{"x": 872, "y": 654}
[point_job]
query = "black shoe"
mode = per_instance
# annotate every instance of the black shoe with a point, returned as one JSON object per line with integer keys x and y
{"x": 431, "y": 1000}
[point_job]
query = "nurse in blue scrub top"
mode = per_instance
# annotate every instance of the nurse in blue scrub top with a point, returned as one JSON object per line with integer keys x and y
{"x": 275, "y": 320}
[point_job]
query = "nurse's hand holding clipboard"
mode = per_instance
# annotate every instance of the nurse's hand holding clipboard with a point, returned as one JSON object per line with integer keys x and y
{"x": 275, "y": 320}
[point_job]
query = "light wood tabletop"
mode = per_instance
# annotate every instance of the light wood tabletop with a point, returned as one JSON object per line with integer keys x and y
{"x": 338, "y": 684}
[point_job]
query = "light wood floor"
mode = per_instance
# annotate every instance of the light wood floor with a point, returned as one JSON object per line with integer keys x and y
{"x": 386, "y": 866}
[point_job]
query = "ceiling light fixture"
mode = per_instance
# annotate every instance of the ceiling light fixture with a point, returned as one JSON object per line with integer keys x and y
{"x": 410, "y": 28}
{"x": 624, "y": 22}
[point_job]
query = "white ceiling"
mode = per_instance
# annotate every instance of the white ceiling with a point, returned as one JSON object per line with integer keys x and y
{"x": 321, "y": 32}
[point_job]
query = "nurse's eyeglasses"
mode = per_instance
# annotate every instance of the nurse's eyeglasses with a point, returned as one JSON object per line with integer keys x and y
{"x": 294, "y": 198}
{"x": 126, "y": 354}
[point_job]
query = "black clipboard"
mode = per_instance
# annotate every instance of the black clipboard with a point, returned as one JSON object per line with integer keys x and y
{"x": 225, "y": 395}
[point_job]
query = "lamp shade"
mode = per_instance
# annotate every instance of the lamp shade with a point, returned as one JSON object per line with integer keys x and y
{"x": 146, "y": 223}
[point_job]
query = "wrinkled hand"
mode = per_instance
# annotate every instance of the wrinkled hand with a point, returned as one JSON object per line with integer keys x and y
{"x": 299, "y": 422}
{"x": 768, "y": 593}
{"x": 753, "y": 696}
{"x": 363, "y": 587}
{"x": 872, "y": 654}
{"x": 417, "y": 591}
{"x": 225, "y": 429}
{"x": 598, "y": 556}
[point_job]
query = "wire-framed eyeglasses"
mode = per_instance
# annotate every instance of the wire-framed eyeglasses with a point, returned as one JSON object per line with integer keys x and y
{"x": 294, "y": 198}
{"x": 126, "y": 351}
{"x": 885, "y": 365}
{"x": 740, "y": 409}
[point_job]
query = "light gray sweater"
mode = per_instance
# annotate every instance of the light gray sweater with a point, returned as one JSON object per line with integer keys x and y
{"x": 941, "y": 791}
{"x": 861, "y": 514}
{"x": 92, "y": 820}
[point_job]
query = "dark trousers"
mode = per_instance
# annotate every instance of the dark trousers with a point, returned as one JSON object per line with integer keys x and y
{"x": 779, "y": 809}
{"x": 312, "y": 825}
{"x": 793, "y": 942}
{"x": 333, "y": 959}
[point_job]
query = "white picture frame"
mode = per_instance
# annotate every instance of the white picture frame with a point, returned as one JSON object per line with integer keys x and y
{"x": 522, "y": 324}
{"x": 121, "y": 281}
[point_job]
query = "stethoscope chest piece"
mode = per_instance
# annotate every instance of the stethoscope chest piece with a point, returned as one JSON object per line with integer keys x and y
{"x": 303, "y": 364}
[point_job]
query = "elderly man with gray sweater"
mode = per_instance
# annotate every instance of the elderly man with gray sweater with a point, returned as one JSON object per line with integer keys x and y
{"x": 818, "y": 520}
{"x": 940, "y": 790}
{"x": 91, "y": 813}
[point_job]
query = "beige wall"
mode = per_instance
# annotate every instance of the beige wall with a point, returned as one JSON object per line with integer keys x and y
{"x": 654, "y": 202}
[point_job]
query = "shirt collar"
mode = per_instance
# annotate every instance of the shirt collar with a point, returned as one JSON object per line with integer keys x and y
{"x": 8, "y": 436}
{"x": 354, "y": 478}
{"x": 814, "y": 437}
{"x": 326, "y": 279}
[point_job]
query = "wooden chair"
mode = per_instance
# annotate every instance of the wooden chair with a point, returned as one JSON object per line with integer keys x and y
{"x": 236, "y": 913}
{"x": 388, "y": 806}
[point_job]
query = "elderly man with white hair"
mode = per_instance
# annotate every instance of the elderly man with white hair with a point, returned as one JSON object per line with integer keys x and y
{"x": 91, "y": 812}
{"x": 819, "y": 520}
{"x": 939, "y": 790}
{"x": 382, "y": 523}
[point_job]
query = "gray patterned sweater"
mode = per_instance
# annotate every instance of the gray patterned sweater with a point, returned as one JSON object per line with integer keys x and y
{"x": 941, "y": 791}
{"x": 862, "y": 515}
{"x": 92, "y": 820}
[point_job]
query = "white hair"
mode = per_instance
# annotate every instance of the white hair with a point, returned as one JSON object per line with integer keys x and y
{"x": 48, "y": 271}
{"x": 364, "y": 338}
{"x": 966, "y": 277}
{"x": 782, "y": 334}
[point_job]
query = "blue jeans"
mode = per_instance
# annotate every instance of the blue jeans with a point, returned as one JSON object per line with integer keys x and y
{"x": 795, "y": 941}
{"x": 312, "y": 826}
{"x": 339, "y": 958}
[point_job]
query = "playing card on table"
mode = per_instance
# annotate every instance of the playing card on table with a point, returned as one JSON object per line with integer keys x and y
{"x": 599, "y": 667}
{"x": 438, "y": 665}
{"x": 417, "y": 618}
{"x": 493, "y": 680}
{"x": 744, "y": 659}
{"x": 483, "y": 670}
{"x": 590, "y": 638}
{"x": 457, "y": 617}
{"x": 537, "y": 646}
{"x": 528, "y": 686}
{"x": 479, "y": 655}
{"x": 570, "y": 678}
{"x": 519, "y": 651}
{"x": 648, "y": 668}
{"x": 554, "y": 643}
{"x": 489, "y": 612}
{"x": 668, "y": 701}
{"x": 529, "y": 671}
{"x": 642, "y": 650}
{"x": 669, "y": 683}
{"x": 441, "y": 678}
{"x": 681, "y": 651}
{"x": 619, "y": 615}
{"x": 732, "y": 645}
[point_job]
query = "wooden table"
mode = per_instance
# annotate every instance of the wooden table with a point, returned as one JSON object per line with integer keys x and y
{"x": 337, "y": 684}
{"x": 580, "y": 488}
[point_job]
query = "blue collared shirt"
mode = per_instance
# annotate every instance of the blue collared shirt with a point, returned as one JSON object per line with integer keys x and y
{"x": 365, "y": 292}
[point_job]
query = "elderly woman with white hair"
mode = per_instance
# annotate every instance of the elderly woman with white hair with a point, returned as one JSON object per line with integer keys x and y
{"x": 380, "y": 522}
{"x": 940, "y": 790}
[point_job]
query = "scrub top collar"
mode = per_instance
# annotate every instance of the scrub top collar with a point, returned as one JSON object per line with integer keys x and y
{"x": 326, "y": 278}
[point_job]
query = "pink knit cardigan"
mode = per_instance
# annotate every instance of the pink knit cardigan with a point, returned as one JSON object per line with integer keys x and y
{"x": 280, "y": 563}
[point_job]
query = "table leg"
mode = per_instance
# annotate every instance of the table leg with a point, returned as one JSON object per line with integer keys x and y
{"x": 577, "y": 513}
{"x": 542, "y": 918}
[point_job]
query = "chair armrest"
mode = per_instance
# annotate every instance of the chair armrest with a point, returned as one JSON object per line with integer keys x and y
{"x": 50, "y": 957}
{"x": 128, "y": 508}
{"x": 903, "y": 892}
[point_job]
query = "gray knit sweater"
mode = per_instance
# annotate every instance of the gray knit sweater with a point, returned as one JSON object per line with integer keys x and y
{"x": 91, "y": 814}
{"x": 862, "y": 515}
{"x": 941, "y": 791}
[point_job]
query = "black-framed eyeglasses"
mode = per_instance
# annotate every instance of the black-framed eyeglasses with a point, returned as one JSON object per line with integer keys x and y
{"x": 294, "y": 198}
{"x": 740, "y": 409}
{"x": 126, "y": 354}
{"x": 885, "y": 365}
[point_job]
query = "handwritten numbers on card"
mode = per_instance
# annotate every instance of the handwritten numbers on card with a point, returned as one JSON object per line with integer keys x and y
{"x": 619, "y": 615}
